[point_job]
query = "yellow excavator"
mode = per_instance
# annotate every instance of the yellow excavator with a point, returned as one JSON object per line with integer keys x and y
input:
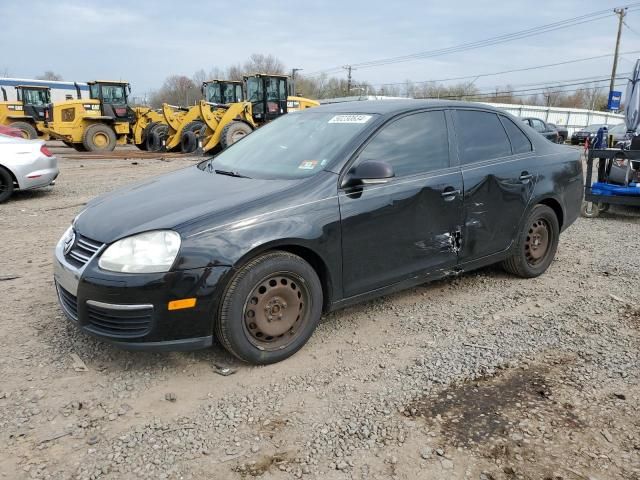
{"x": 219, "y": 122}
{"x": 27, "y": 113}
{"x": 102, "y": 121}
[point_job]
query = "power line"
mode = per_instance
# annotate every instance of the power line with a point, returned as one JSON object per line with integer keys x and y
{"x": 524, "y": 69}
{"x": 589, "y": 17}
{"x": 630, "y": 29}
{"x": 536, "y": 90}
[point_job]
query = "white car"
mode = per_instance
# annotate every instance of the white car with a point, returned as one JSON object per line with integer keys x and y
{"x": 24, "y": 165}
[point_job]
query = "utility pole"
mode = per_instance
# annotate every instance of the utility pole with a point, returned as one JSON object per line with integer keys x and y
{"x": 293, "y": 80}
{"x": 621, "y": 12}
{"x": 348, "y": 69}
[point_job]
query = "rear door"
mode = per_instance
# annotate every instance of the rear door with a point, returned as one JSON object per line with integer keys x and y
{"x": 498, "y": 171}
{"x": 407, "y": 226}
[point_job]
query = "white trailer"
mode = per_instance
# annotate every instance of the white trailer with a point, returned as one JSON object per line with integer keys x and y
{"x": 60, "y": 91}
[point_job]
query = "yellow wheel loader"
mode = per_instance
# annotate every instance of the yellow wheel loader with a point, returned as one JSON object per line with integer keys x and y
{"x": 267, "y": 100}
{"x": 184, "y": 124}
{"x": 102, "y": 121}
{"x": 224, "y": 118}
{"x": 27, "y": 113}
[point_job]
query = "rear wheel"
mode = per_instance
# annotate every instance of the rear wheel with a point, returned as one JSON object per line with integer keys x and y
{"x": 99, "y": 138}
{"x": 536, "y": 245}
{"x": 28, "y": 130}
{"x": 6, "y": 184}
{"x": 270, "y": 308}
{"x": 232, "y": 132}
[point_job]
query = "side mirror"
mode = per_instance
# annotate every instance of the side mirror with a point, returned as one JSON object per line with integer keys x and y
{"x": 368, "y": 173}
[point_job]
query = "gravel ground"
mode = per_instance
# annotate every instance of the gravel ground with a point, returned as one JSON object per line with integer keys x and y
{"x": 484, "y": 376}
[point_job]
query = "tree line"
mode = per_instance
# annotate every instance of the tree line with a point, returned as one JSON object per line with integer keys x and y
{"x": 183, "y": 90}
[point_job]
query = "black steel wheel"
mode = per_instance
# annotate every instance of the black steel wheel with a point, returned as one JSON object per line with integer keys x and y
{"x": 536, "y": 244}
{"x": 6, "y": 185}
{"x": 270, "y": 308}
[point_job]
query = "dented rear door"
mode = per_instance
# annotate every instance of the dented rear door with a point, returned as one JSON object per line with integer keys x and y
{"x": 498, "y": 174}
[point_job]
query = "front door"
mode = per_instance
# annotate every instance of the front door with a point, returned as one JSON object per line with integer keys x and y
{"x": 407, "y": 226}
{"x": 499, "y": 176}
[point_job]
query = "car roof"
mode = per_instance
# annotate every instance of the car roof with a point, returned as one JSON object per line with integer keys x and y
{"x": 393, "y": 107}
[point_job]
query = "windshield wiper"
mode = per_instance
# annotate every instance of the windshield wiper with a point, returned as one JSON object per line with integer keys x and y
{"x": 230, "y": 173}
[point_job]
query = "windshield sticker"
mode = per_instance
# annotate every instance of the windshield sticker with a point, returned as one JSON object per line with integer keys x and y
{"x": 350, "y": 119}
{"x": 308, "y": 165}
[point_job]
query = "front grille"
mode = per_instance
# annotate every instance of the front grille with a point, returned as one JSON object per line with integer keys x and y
{"x": 68, "y": 302}
{"x": 121, "y": 323}
{"x": 82, "y": 251}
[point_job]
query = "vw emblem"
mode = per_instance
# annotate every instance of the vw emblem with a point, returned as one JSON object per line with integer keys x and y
{"x": 68, "y": 243}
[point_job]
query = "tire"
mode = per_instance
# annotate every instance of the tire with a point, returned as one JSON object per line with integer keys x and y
{"x": 155, "y": 140}
{"x": 589, "y": 210}
{"x": 188, "y": 142}
{"x": 28, "y": 130}
{"x": 99, "y": 138}
{"x": 6, "y": 185}
{"x": 287, "y": 295}
{"x": 144, "y": 143}
{"x": 536, "y": 245}
{"x": 232, "y": 132}
{"x": 195, "y": 127}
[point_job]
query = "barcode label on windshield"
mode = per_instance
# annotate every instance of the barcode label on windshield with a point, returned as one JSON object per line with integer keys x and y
{"x": 350, "y": 119}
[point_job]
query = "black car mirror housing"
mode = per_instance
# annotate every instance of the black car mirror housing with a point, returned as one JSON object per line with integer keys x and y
{"x": 368, "y": 173}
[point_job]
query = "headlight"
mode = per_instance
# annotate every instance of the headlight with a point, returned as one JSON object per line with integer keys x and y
{"x": 150, "y": 252}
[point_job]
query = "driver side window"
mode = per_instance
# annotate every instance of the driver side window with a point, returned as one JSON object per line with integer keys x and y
{"x": 412, "y": 145}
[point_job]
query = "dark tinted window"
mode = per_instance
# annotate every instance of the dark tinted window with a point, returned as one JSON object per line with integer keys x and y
{"x": 480, "y": 136}
{"x": 519, "y": 141}
{"x": 413, "y": 144}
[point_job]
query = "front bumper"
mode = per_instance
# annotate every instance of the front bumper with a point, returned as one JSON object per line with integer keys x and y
{"x": 130, "y": 310}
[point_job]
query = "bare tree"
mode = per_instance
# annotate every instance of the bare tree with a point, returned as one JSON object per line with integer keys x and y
{"x": 50, "y": 75}
{"x": 176, "y": 90}
{"x": 4, "y": 72}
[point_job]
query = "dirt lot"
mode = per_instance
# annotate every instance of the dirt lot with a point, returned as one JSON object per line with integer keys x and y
{"x": 485, "y": 376}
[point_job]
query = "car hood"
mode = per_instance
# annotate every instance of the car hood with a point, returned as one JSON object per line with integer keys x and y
{"x": 168, "y": 201}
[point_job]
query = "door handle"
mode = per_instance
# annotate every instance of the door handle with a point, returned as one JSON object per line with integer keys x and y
{"x": 525, "y": 176}
{"x": 449, "y": 193}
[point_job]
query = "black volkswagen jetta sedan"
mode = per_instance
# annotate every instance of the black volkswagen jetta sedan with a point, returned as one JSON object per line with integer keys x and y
{"x": 314, "y": 211}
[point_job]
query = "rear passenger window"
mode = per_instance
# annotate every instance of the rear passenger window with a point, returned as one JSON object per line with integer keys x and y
{"x": 413, "y": 144}
{"x": 480, "y": 136}
{"x": 519, "y": 141}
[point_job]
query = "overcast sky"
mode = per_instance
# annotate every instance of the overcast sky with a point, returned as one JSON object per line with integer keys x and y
{"x": 145, "y": 41}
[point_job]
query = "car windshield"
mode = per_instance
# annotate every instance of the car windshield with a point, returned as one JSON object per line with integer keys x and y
{"x": 592, "y": 128}
{"x": 296, "y": 145}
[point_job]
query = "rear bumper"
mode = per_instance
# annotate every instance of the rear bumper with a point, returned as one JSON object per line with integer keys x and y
{"x": 131, "y": 310}
{"x": 39, "y": 178}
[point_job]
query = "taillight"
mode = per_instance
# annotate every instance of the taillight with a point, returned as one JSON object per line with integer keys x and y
{"x": 45, "y": 151}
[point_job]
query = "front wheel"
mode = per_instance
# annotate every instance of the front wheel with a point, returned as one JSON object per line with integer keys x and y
{"x": 536, "y": 244}
{"x": 270, "y": 308}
